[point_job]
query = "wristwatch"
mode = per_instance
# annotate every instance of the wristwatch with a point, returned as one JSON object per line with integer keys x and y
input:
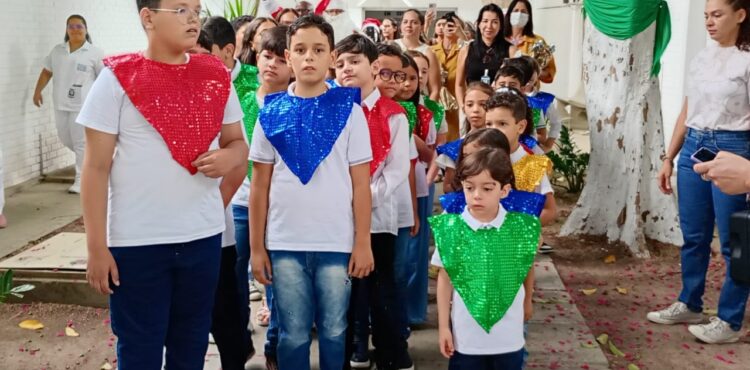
{"x": 663, "y": 157}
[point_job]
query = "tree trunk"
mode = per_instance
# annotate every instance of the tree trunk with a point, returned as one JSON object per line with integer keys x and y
{"x": 621, "y": 199}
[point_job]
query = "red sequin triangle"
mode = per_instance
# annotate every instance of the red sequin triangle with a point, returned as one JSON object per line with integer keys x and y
{"x": 425, "y": 118}
{"x": 185, "y": 103}
{"x": 380, "y": 131}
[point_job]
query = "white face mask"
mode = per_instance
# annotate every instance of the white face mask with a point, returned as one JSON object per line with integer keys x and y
{"x": 518, "y": 19}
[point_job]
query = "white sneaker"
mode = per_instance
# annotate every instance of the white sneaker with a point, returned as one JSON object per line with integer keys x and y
{"x": 75, "y": 188}
{"x": 677, "y": 313}
{"x": 255, "y": 294}
{"x": 717, "y": 331}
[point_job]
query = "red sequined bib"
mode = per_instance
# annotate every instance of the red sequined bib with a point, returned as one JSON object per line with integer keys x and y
{"x": 424, "y": 121}
{"x": 185, "y": 103}
{"x": 380, "y": 131}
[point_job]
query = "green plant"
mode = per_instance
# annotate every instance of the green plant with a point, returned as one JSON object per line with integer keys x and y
{"x": 237, "y": 8}
{"x": 6, "y": 287}
{"x": 570, "y": 163}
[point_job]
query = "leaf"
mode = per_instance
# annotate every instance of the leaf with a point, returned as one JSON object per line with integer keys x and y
{"x": 588, "y": 291}
{"x": 71, "y": 332}
{"x": 633, "y": 367}
{"x": 615, "y": 351}
{"x": 106, "y": 366}
{"x": 622, "y": 290}
{"x": 610, "y": 259}
{"x": 22, "y": 288}
{"x": 31, "y": 325}
{"x": 603, "y": 339}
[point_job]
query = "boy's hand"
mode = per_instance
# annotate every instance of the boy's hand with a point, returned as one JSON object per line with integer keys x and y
{"x": 261, "y": 265}
{"x": 216, "y": 163}
{"x": 445, "y": 338}
{"x": 528, "y": 309}
{"x": 361, "y": 263}
{"x": 415, "y": 229}
{"x": 101, "y": 265}
{"x": 38, "y": 100}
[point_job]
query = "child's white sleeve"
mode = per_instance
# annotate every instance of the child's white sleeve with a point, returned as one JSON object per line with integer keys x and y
{"x": 395, "y": 169}
{"x": 443, "y": 127}
{"x": 436, "y": 261}
{"x": 101, "y": 109}
{"x": 555, "y": 124}
{"x": 359, "y": 148}
{"x": 545, "y": 187}
{"x": 233, "y": 110}
{"x": 261, "y": 149}
{"x": 443, "y": 161}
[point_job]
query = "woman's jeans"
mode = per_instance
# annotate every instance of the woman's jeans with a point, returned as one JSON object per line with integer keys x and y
{"x": 701, "y": 205}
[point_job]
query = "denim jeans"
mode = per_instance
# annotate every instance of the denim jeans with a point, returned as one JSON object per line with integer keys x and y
{"x": 701, "y": 205}
{"x": 505, "y": 361}
{"x": 418, "y": 259}
{"x": 402, "y": 266}
{"x": 165, "y": 299}
{"x": 311, "y": 287}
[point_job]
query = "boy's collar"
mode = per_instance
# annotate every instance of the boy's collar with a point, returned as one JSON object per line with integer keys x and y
{"x": 475, "y": 224}
{"x": 293, "y": 85}
{"x": 371, "y": 99}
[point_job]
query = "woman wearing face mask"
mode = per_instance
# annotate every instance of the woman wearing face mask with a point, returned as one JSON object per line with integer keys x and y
{"x": 714, "y": 117}
{"x": 75, "y": 65}
{"x": 519, "y": 31}
{"x": 481, "y": 59}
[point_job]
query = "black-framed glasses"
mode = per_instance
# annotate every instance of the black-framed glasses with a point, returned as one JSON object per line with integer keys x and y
{"x": 185, "y": 15}
{"x": 386, "y": 75}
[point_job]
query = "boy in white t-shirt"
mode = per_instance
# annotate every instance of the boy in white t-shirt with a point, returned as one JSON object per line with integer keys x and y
{"x": 485, "y": 254}
{"x": 311, "y": 200}
{"x": 163, "y": 145}
{"x": 375, "y": 296}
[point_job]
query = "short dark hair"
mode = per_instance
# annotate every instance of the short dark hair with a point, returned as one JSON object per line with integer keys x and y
{"x": 220, "y": 31}
{"x": 240, "y": 21}
{"x": 358, "y": 44}
{"x": 147, "y": 4}
{"x": 495, "y": 161}
{"x": 311, "y": 21}
{"x": 205, "y": 41}
{"x": 450, "y": 17}
{"x": 510, "y": 71}
{"x": 390, "y": 50}
{"x": 407, "y": 61}
{"x": 482, "y": 138}
{"x": 524, "y": 65}
{"x": 513, "y": 100}
{"x": 528, "y": 29}
{"x": 274, "y": 40}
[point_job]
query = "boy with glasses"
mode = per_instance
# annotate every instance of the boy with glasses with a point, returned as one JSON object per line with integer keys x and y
{"x": 164, "y": 153}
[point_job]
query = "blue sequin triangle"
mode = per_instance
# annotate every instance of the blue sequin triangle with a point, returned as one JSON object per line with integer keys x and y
{"x": 541, "y": 100}
{"x": 450, "y": 149}
{"x": 304, "y": 130}
{"x": 517, "y": 201}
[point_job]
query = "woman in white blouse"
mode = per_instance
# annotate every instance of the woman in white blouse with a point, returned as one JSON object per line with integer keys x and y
{"x": 715, "y": 117}
{"x": 74, "y": 64}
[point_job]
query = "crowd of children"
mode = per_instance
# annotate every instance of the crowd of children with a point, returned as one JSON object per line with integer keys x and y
{"x": 322, "y": 185}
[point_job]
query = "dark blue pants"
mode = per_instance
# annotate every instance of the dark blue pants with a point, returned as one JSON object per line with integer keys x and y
{"x": 505, "y": 361}
{"x": 226, "y": 327}
{"x": 165, "y": 299}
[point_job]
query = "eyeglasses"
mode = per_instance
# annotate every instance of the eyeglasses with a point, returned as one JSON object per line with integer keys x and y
{"x": 185, "y": 15}
{"x": 76, "y": 26}
{"x": 386, "y": 75}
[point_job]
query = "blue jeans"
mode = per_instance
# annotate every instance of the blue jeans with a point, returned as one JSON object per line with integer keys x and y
{"x": 165, "y": 299}
{"x": 311, "y": 287}
{"x": 418, "y": 260}
{"x": 701, "y": 204}
{"x": 242, "y": 237}
{"x": 402, "y": 268}
{"x": 505, "y": 361}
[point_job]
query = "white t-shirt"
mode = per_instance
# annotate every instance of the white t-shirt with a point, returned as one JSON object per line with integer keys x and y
{"x": 469, "y": 338}
{"x": 390, "y": 174}
{"x": 242, "y": 196}
{"x": 443, "y": 161}
{"x": 73, "y": 74}
{"x": 717, "y": 89}
{"x": 403, "y": 194}
{"x": 152, "y": 199}
{"x": 227, "y": 237}
{"x": 317, "y": 217}
{"x": 545, "y": 187}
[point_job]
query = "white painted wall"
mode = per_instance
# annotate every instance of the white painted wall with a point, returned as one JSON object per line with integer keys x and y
{"x": 27, "y": 134}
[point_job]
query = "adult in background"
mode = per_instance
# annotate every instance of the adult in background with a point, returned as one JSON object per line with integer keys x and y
{"x": 303, "y": 7}
{"x": 447, "y": 52}
{"x": 482, "y": 58}
{"x": 286, "y": 17}
{"x": 519, "y": 31}
{"x": 412, "y": 24}
{"x": 715, "y": 116}
{"x": 240, "y": 25}
{"x": 75, "y": 64}
{"x": 334, "y": 12}
{"x": 389, "y": 28}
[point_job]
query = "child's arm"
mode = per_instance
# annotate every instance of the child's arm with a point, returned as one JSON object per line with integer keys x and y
{"x": 450, "y": 173}
{"x": 549, "y": 213}
{"x": 361, "y": 263}
{"x": 434, "y": 77}
{"x": 97, "y": 164}
{"x": 424, "y": 150}
{"x": 444, "y": 294}
{"x": 260, "y": 186}
{"x": 528, "y": 286}
{"x": 413, "y": 189}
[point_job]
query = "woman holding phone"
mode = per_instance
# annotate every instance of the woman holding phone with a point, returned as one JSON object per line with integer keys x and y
{"x": 715, "y": 117}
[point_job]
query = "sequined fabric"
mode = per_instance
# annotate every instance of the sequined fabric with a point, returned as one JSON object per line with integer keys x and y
{"x": 530, "y": 170}
{"x": 247, "y": 80}
{"x": 380, "y": 131}
{"x": 539, "y": 104}
{"x": 529, "y": 143}
{"x": 246, "y": 85}
{"x": 184, "y": 103}
{"x": 487, "y": 266}
{"x": 516, "y": 201}
{"x": 411, "y": 114}
{"x": 437, "y": 110}
{"x": 304, "y": 130}
{"x": 425, "y": 120}
{"x": 451, "y": 149}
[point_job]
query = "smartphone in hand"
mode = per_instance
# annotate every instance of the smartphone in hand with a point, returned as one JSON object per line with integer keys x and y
{"x": 703, "y": 155}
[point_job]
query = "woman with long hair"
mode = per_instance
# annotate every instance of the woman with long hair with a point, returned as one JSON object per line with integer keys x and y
{"x": 519, "y": 31}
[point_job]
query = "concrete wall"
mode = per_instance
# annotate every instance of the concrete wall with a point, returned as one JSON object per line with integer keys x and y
{"x": 27, "y": 134}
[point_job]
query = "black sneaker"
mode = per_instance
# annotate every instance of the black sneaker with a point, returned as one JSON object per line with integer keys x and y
{"x": 360, "y": 358}
{"x": 405, "y": 362}
{"x": 546, "y": 248}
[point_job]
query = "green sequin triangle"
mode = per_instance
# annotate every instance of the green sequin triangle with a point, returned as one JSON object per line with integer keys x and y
{"x": 246, "y": 85}
{"x": 438, "y": 112}
{"x": 487, "y": 266}
{"x": 411, "y": 115}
